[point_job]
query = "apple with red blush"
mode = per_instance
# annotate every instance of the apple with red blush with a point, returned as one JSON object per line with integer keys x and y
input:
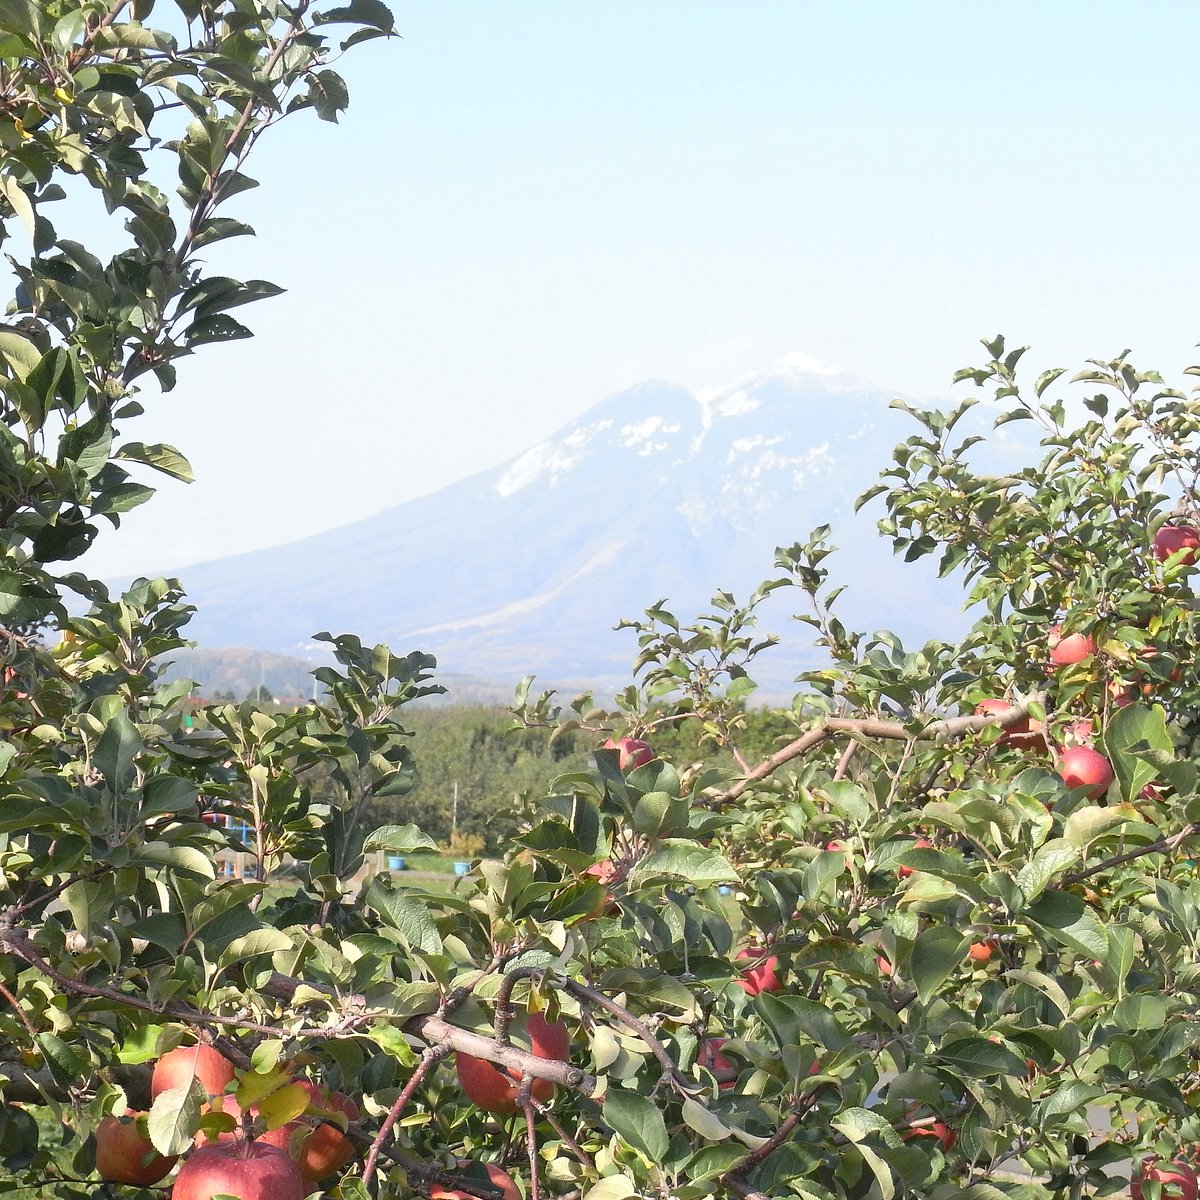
{"x": 125, "y": 1154}
{"x": 761, "y": 975}
{"x": 1183, "y": 540}
{"x": 1177, "y": 1180}
{"x": 245, "y": 1170}
{"x": 632, "y": 752}
{"x": 1082, "y": 766}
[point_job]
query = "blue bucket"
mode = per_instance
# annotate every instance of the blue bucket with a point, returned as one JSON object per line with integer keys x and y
{"x": 461, "y": 868}
{"x": 395, "y": 862}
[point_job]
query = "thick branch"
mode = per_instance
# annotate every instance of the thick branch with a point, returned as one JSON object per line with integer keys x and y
{"x": 437, "y": 1030}
{"x": 940, "y": 730}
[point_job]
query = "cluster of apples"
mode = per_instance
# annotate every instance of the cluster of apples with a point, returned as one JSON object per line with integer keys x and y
{"x": 1080, "y": 764}
{"x": 279, "y": 1164}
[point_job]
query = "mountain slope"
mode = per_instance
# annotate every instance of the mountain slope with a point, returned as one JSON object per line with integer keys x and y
{"x": 654, "y": 493}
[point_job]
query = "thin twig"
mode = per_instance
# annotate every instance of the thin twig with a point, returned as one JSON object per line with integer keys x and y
{"x": 16, "y": 1007}
{"x": 432, "y": 1056}
{"x": 1166, "y": 844}
{"x": 525, "y": 1102}
{"x": 571, "y": 1144}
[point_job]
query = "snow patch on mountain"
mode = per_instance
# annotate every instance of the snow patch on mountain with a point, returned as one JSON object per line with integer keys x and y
{"x": 641, "y": 434}
{"x": 546, "y": 462}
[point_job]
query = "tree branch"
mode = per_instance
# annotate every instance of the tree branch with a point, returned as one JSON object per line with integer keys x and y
{"x": 1166, "y": 845}
{"x": 939, "y": 730}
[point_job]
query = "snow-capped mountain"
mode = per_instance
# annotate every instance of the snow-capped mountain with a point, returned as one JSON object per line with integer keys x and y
{"x": 655, "y": 493}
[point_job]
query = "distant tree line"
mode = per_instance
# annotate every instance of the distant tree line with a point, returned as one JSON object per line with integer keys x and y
{"x": 495, "y": 766}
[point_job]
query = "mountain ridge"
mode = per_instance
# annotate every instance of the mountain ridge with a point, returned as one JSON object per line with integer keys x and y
{"x": 654, "y": 493}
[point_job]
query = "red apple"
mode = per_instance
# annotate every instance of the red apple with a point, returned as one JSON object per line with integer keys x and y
{"x": 1079, "y": 733}
{"x": 1073, "y": 648}
{"x": 1081, "y": 766}
{"x": 605, "y": 872}
{"x": 885, "y": 967}
{"x": 186, "y": 1063}
{"x": 920, "y": 844}
{"x": 1023, "y": 734}
{"x": 761, "y": 977}
{"x": 1178, "y": 1179}
{"x": 710, "y": 1056}
{"x": 835, "y": 846}
{"x": 247, "y": 1171}
{"x": 945, "y": 1135}
{"x": 1171, "y": 539}
{"x": 125, "y": 1154}
{"x": 318, "y": 1149}
{"x": 981, "y": 952}
{"x": 494, "y": 1089}
{"x": 500, "y": 1179}
{"x": 633, "y": 752}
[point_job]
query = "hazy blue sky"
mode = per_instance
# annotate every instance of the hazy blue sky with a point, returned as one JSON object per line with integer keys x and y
{"x": 531, "y": 205}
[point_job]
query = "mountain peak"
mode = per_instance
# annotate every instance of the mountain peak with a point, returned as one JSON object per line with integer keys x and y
{"x": 654, "y": 492}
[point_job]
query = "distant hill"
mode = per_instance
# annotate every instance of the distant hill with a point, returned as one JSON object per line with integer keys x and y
{"x": 654, "y": 493}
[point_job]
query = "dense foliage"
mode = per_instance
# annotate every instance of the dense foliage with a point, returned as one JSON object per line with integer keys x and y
{"x": 909, "y": 949}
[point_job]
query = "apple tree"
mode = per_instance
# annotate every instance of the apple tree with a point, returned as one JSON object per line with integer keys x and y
{"x": 919, "y": 948}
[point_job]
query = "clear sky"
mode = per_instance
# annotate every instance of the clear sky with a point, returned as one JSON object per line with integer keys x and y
{"x": 530, "y": 205}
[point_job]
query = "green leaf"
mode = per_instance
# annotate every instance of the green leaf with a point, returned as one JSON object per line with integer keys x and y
{"x": 405, "y": 914}
{"x": 359, "y": 12}
{"x": 162, "y": 458}
{"x": 19, "y": 352}
{"x": 1073, "y": 1096}
{"x": 1068, "y": 919}
{"x": 639, "y": 1121}
{"x": 328, "y": 94}
{"x": 174, "y": 1116}
{"x": 615, "y": 1187}
{"x": 1048, "y": 986}
{"x": 168, "y": 794}
{"x": 936, "y": 954}
{"x": 660, "y": 812}
{"x": 977, "y": 1058}
{"x": 140, "y": 1045}
{"x": 1085, "y": 825}
{"x": 1142, "y": 1012}
{"x": 115, "y": 752}
{"x": 62, "y": 1059}
{"x": 19, "y": 199}
{"x": 1049, "y": 862}
{"x": 264, "y": 1059}
{"x": 791, "y": 1016}
{"x": 681, "y": 859}
{"x": 352, "y": 1188}
{"x": 705, "y": 1122}
{"x": 399, "y": 839}
{"x": 1136, "y": 727}
{"x": 255, "y": 943}
{"x": 90, "y": 904}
